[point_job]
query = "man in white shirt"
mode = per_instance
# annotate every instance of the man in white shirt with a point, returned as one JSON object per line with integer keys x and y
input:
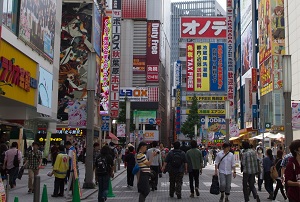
{"x": 226, "y": 165}
{"x": 156, "y": 162}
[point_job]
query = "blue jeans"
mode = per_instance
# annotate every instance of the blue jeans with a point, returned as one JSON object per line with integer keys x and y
{"x": 103, "y": 183}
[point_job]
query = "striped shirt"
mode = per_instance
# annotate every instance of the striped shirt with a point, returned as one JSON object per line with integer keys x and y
{"x": 142, "y": 160}
{"x": 249, "y": 162}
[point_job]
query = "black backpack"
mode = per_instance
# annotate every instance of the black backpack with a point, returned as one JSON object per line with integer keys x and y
{"x": 16, "y": 160}
{"x": 101, "y": 165}
{"x": 176, "y": 161}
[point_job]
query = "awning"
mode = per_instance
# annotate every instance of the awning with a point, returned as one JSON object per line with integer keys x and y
{"x": 233, "y": 138}
{"x": 259, "y": 137}
{"x": 112, "y": 136}
{"x": 276, "y": 136}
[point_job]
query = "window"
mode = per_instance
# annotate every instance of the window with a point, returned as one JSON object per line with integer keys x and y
{"x": 11, "y": 14}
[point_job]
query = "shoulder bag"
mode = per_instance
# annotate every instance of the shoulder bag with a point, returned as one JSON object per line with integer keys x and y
{"x": 222, "y": 159}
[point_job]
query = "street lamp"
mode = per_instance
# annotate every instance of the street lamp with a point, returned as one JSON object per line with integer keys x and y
{"x": 127, "y": 121}
{"x": 227, "y": 118}
{"x": 287, "y": 92}
{"x": 195, "y": 131}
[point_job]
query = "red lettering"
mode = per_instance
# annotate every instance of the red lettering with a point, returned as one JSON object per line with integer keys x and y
{"x": 4, "y": 62}
{"x": 27, "y": 81}
{"x": 16, "y": 77}
{"x": 22, "y": 78}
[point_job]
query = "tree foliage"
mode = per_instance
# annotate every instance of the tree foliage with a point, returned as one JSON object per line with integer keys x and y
{"x": 122, "y": 115}
{"x": 193, "y": 119}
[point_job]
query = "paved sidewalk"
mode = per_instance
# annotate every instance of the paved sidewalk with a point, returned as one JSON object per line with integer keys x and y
{"x": 21, "y": 190}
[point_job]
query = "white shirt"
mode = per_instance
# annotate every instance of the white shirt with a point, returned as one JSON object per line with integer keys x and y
{"x": 227, "y": 164}
{"x": 156, "y": 159}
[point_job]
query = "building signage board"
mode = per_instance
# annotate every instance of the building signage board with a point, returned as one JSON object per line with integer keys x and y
{"x": 97, "y": 29}
{"x": 202, "y": 67}
{"x": 77, "y": 114}
{"x": 216, "y": 127}
{"x": 254, "y": 79}
{"x": 144, "y": 116}
{"x": 217, "y": 64}
{"x": 134, "y": 9}
{"x": 246, "y": 49}
{"x": 139, "y": 64}
{"x": 153, "y": 37}
{"x": 178, "y": 97}
{"x": 208, "y": 111}
{"x": 190, "y": 66}
{"x": 295, "y": 115}
{"x": 151, "y": 135}
{"x": 207, "y": 98}
{"x": 266, "y": 79}
{"x": 139, "y": 94}
{"x": 254, "y": 117}
{"x": 202, "y": 27}
{"x": 246, "y": 13}
{"x": 277, "y": 73}
{"x": 121, "y": 130}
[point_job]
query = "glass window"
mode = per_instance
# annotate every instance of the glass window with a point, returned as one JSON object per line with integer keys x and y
{"x": 11, "y": 14}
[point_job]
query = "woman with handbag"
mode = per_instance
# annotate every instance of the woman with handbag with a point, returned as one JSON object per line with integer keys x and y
{"x": 267, "y": 164}
{"x": 278, "y": 180}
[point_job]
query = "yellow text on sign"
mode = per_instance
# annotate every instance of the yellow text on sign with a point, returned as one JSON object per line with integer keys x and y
{"x": 208, "y": 111}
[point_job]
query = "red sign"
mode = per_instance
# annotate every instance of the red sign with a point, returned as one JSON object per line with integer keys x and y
{"x": 139, "y": 64}
{"x": 254, "y": 80}
{"x": 203, "y": 27}
{"x": 230, "y": 56}
{"x": 158, "y": 121}
{"x": 190, "y": 66}
{"x": 153, "y": 31}
{"x": 134, "y": 9}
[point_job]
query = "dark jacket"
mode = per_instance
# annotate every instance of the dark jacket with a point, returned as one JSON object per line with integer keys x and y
{"x": 292, "y": 173}
{"x": 130, "y": 160}
{"x": 169, "y": 159}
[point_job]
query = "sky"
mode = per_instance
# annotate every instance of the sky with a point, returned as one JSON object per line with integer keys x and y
{"x": 221, "y": 2}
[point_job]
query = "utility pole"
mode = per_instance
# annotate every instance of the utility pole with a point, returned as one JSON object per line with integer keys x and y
{"x": 91, "y": 77}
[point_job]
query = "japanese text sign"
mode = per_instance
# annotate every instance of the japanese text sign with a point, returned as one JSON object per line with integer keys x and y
{"x": 190, "y": 66}
{"x": 217, "y": 53}
{"x": 201, "y": 72}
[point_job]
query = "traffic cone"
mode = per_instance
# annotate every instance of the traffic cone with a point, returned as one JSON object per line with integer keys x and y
{"x": 16, "y": 199}
{"x": 44, "y": 194}
{"x": 110, "y": 191}
{"x": 76, "y": 194}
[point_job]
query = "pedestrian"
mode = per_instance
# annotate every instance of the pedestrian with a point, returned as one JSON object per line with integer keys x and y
{"x": 60, "y": 169}
{"x": 144, "y": 164}
{"x": 268, "y": 162}
{"x": 71, "y": 151}
{"x": 225, "y": 164}
{"x": 278, "y": 180}
{"x": 155, "y": 164}
{"x": 210, "y": 154}
{"x": 3, "y": 149}
{"x": 96, "y": 153}
{"x": 250, "y": 168}
{"x": 11, "y": 165}
{"x": 177, "y": 165}
{"x": 260, "y": 175}
{"x": 214, "y": 155}
{"x": 184, "y": 147}
{"x": 283, "y": 165}
{"x": 105, "y": 170}
{"x": 54, "y": 152}
{"x": 204, "y": 155}
{"x": 33, "y": 162}
{"x": 130, "y": 163}
{"x": 123, "y": 151}
{"x": 114, "y": 151}
{"x": 195, "y": 164}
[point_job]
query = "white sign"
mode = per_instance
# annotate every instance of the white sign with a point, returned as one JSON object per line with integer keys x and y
{"x": 121, "y": 130}
{"x": 246, "y": 13}
{"x": 151, "y": 135}
{"x": 296, "y": 115}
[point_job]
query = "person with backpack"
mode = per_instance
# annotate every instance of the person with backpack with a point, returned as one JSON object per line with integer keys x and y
{"x": 105, "y": 170}
{"x": 268, "y": 162}
{"x": 278, "y": 179}
{"x": 96, "y": 153}
{"x": 177, "y": 165}
{"x": 195, "y": 164}
{"x": 225, "y": 163}
{"x": 130, "y": 163}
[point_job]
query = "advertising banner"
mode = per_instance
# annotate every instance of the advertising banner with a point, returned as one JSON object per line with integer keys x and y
{"x": 234, "y": 130}
{"x": 134, "y": 9}
{"x": 246, "y": 13}
{"x": 151, "y": 135}
{"x": 190, "y": 66}
{"x": 209, "y": 111}
{"x": 216, "y": 127}
{"x": 218, "y": 70}
{"x": 230, "y": 55}
{"x": 254, "y": 79}
{"x": 139, "y": 64}
{"x": 202, "y": 27}
{"x": 153, "y": 36}
{"x": 77, "y": 115}
{"x": 121, "y": 130}
{"x": 254, "y": 117}
{"x": 266, "y": 76}
{"x": 206, "y": 98}
{"x": 246, "y": 49}
{"x": 97, "y": 29}
{"x": 139, "y": 94}
{"x": 144, "y": 116}
{"x": 37, "y": 25}
{"x": 277, "y": 72}
{"x": 45, "y": 92}
{"x": 202, "y": 66}
{"x": 178, "y": 97}
{"x": 296, "y": 115}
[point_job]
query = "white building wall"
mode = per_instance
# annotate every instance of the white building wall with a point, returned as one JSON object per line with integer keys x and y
{"x": 153, "y": 8}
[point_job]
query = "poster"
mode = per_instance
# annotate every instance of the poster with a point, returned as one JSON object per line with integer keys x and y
{"x": 246, "y": 13}
{"x": 246, "y": 49}
{"x": 202, "y": 66}
{"x": 45, "y": 88}
{"x": 296, "y": 115}
{"x": 216, "y": 127}
{"x": 266, "y": 77}
{"x": 276, "y": 18}
{"x": 77, "y": 115}
{"x": 217, "y": 67}
{"x": 144, "y": 116}
{"x": 121, "y": 130}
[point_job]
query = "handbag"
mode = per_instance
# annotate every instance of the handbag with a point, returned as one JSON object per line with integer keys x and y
{"x": 135, "y": 169}
{"x": 215, "y": 186}
{"x": 16, "y": 160}
{"x": 21, "y": 172}
{"x": 273, "y": 172}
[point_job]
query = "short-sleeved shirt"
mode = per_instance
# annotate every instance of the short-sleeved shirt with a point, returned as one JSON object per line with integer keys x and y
{"x": 249, "y": 162}
{"x": 142, "y": 160}
{"x": 34, "y": 159}
{"x": 227, "y": 163}
{"x": 285, "y": 160}
{"x": 9, "y": 157}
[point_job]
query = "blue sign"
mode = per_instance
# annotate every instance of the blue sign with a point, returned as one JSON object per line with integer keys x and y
{"x": 151, "y": 121}
{"x": 254, "y": 117}
{"x": 217, "y": 67}
{"x": 105, "y": 127}
{"x": 105, "y": 118}
{"x": 254, "y": 111}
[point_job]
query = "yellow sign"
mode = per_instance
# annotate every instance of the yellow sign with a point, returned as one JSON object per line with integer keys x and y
{"x": 51, "y": 139}
{"x": 20, "y": 72}
{"x": 202, "y": 77}
{"x": 209, "y": 111}
{"x": 207, "y": 98}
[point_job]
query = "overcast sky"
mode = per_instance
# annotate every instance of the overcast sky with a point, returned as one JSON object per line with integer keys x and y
{"x": 221, "y": 2}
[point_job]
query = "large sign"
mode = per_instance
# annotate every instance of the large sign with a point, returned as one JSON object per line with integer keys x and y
{"x": 202, "y": 27}
{"x": 37, "y": 25}
{"x": 246, "y": 13}
{"x": 139, "y": 64}
{"x": 209, "y": 111}
{"x": 277, "y": 72}
{"x": 178, "y": 97}
{"x": 254, "y": 79}
{"x": 207, "y": 98}
{"x": 153, "y": 37}
{"x": 230, "y": 55}
{"x": 139, "y": 94}
{"x": 116, "y": 60}
{"x": 77, "y": 115}
{"x": 151, "y": 135}
{"x": 247, "y": 49}
{"x": 20, "y": 72}
{"x": 144, "y": 116}
{"x": 134, "y": 9}
{"x": 216, "y": 127}
{"x": 202, "y": 67}
{"x": 97, "y": 29}
{"x": 45, "y": 89}
{"x": 121, "y": 130}
{"x": 266, "y": 76}
{"x": 217, "y": 65}
{"x": 190, "y": 66}
{"x": 296, "y": 115}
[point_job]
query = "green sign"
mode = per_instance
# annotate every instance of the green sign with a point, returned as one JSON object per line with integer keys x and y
{"x": 268, "y": 125}
{"x": 144, "y": 116}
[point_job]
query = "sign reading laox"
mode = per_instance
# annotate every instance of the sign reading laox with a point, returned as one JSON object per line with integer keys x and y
{"x": 141, "y": 94}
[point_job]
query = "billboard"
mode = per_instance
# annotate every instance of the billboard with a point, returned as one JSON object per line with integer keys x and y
{"x": 139, "y": 94}
{"x": 202, "y": 27}
{"x": 246, "y": 49}
{"x": 153, "y": 37}
{"x": 266, "y": 77}
{"x": 77, "y": 115}
{"x": 246, "y": 13}
{"x": 216, "y": 127}
{"x": 151, "y": 135}
{"x": 121, "y": 130}
{"x": 45, "y": 88}
{"x": 217, "y": 65}
{"x": 37, "y": 25}
{"x": 178, "y": 96}
{"x": 139, "y": 64}
{"x": 209, "y": 111}
{"x": 190, "y": 66}
{"x": 97, "y": 20}
{"x": 206, "y": 98}
{"x": 296, "y": 115}
{"x": 202, "y": 66}
{"x": 144, "y": 116}
{"x": 277, "y": 72}
{"x": 134, "y": 9}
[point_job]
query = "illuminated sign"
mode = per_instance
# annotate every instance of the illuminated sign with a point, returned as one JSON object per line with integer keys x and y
{"x": 139, "y": 94}
{"x": 190, "y": 66}
{"x": 209, "y": 111}
{"x": 51, "y": 139}
{"x": 151, "y": 135}
{"x": 134, "y": 92}
{"x": 217, "y": 56}
{"x": 207, "y": 98}
{"x": 139, "y": 64}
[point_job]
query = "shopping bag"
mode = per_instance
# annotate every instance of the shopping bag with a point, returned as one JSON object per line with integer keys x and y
{"x": 215, "y": 186}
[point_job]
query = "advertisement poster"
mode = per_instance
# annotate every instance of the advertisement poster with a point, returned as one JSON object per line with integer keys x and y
{"x": 202, "y": 66}
{"x": 216, "y": 127}
{"x": 190, "y": 66}
{"x": 234, "y": 130}
{"x": 266, "y": 76}
{"x": 246, "y": 13}
{"x": 218, "y": 70}
{"x": 276, "y": 19}
{"x": 97, "y": 29}
{"x": 178, "y": 96}
{"x": 77, "y": 115}
{"x": 37, "y": 25}
{"x": 45, "y": 88}
{"x": 121, "y": 130}
{"x": 277, "y": 72}
{"x": 75, "y": 45}
{"x": 246, "y": 49}
{"x": 296, "y": 115}
{"x": 144, "y": 116}
{"x": 139, "y": 64}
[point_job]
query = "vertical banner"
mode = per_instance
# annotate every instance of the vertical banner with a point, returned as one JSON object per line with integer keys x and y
{"x": 254, "y": 117}
{"x": 296, "y": 115}
{"x": 116, "y": 60}
{"x": 254, "y": 80}
{"x": 201, "y": 71}
{"x": 47, "y": 145}
{"x": 178, "y": 97}
{"x": 230, "y": 56}
{"x": 190, "y": 66}
{"x": 77, "y": 115}
{"x": 153, "y": 36}
{"x": 277, "y": 73}
{"x": 217, "y": 66}
{"x": 96, "y": 29}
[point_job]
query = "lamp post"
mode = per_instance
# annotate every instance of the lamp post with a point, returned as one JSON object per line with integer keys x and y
{"x": 195, "y": 131}
{"x": 287, "y": 92}
{"x": 227, "y": 119}
{"x": 127, "y": 121}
